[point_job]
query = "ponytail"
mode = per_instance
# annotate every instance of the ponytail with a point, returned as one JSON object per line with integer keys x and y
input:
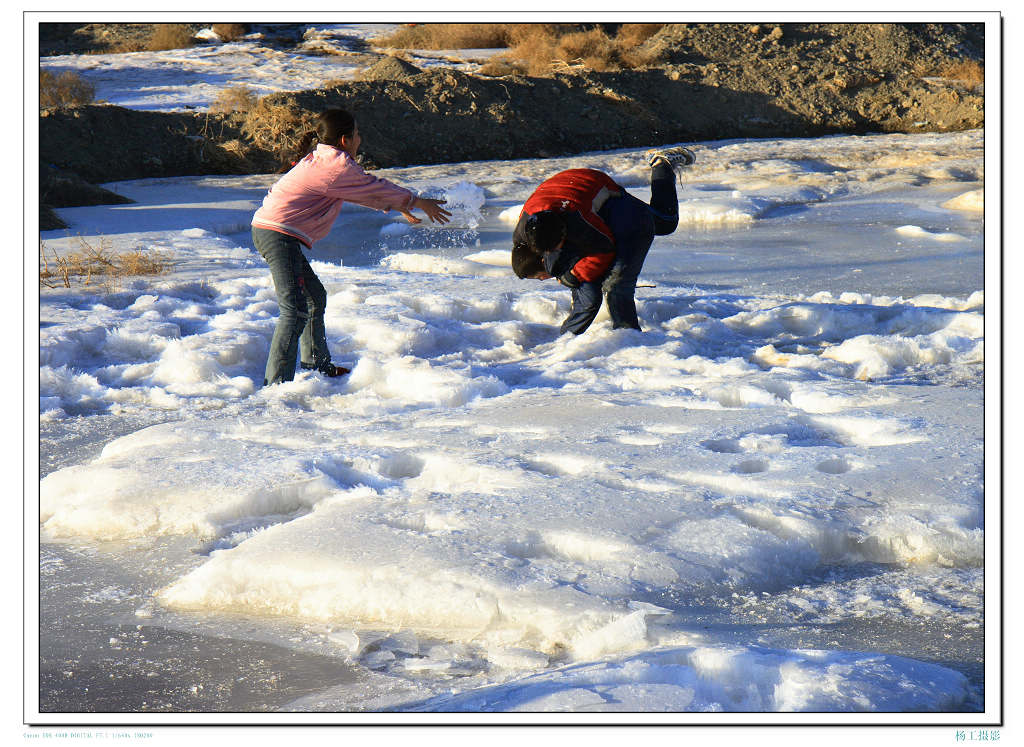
{"x": 330, "y": 127}
{"x": 296, "y": 154}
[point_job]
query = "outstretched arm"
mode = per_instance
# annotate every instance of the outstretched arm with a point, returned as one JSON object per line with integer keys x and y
{"x": 431, "y": 207}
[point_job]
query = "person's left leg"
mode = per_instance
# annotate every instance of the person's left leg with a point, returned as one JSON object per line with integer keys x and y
{"x": 284, "y": 258}
{"x": 664, "y": 202}
{"x": 313, "y": 342}
{"x": 633, "y": 225}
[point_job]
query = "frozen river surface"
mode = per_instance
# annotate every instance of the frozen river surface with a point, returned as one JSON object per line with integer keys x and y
{"x": 771, "y": 500}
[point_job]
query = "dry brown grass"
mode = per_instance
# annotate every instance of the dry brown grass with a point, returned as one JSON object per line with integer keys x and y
{"x": 98, "y": 265}
{"x": 235, "y": 99}
{"x": 120, "y": 47}
{"x": 65, "y": 89}
{"x": 231, "y": 157}
{"x": 534, "y": 48}
{"x": 630, "y": 39}
{"x": 634, "y": 34}
{"x": 229, "y": 32}
{"x": 274, "y": 127}
{"x": 497, "y": 67}
{"x": 451, "y": 36}
{"x": 970, "y": 72}
{"x": 593, "y": 49}
{"x": 170, "y": 36}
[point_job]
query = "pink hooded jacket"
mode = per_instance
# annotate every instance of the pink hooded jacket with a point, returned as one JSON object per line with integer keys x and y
{"x": 304, "y": 202}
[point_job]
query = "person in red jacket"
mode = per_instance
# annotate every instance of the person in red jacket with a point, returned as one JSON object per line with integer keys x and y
{"x": 582, "y": 228}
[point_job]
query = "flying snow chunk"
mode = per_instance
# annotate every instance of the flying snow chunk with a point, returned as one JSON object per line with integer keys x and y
{"x": 463, "y": 200}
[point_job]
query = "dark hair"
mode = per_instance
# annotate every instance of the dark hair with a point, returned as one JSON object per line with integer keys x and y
{"x": 525, "y": 262}
{"x": 330, "y": 127}
{"x": 545, "y": 229}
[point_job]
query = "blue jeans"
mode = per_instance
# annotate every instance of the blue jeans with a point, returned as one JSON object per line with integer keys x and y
{"x": 634, "y": 224}
{"x": 301, "y": 301}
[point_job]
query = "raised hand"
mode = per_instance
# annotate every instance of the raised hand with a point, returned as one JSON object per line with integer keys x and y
{"x": 431, "y": 207}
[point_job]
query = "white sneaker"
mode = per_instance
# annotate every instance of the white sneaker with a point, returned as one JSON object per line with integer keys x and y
{"x": 676, "y": 157}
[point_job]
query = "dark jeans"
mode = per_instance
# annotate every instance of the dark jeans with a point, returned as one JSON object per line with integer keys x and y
{"x": 301, "y": 301}
{"x": 634, "y": 224}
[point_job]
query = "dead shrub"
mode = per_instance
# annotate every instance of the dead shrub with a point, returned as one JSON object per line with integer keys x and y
{"x": 540, "y": 49}
{"x": 229, "y": 32}
{"x": 64, "y": 89}
{"x": 449, "y": 36}
{"x": 629, "y": 41}
{"x": 94, "y": 264}
{"x": 274, "y": 127}
{"x": 231, "y": 157}
{"x": 635, "y": 34}
{"x": 970, "y": 72}
{"x": 170, "y": 36}
{"x": 533, "y": 51}
{"x": 125, "y": 46}
{"x": 235, "y": 99}
{"x": 499, "y": 67}
{"x": 593, "y": 49}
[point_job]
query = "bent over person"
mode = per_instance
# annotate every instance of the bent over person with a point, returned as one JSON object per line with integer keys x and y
{"x": 582, "y": 228}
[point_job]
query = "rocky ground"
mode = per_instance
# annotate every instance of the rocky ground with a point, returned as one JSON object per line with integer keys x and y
{"x": 712, "y": 81}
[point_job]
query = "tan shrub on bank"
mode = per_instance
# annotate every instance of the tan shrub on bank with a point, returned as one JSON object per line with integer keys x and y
{"x": 593, "y": 49}
{"x": 170, "y": 36}
{"x": 970, "y": 72}
{"x": 450, "y": 36}
{"x": 64, "y": 89}
{"x": 229, "y": 32}
{"x": 535, "y": 49}
{"x": 235, "y": 99}
{"x": 540, "y": 49}
{"x": 274, "y": 127}
{"x": 635, "y": 34}
{"x": 498, "y": 67}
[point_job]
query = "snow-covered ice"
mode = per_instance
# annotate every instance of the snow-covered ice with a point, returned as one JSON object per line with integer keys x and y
{"x": 504, "y": 519}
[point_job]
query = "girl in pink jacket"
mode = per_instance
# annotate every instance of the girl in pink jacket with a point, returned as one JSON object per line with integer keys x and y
{"x": 300, "y": 209}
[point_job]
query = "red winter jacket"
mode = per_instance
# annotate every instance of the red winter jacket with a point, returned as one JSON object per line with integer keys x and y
{"x": 589, "y": 248}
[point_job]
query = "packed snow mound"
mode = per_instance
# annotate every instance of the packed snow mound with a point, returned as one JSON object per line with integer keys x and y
{"x": 973, "y": 201}
{"x": 718, "y": 679}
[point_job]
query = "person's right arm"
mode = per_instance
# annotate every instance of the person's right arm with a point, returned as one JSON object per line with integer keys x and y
{"x": 590, "y": 269}
{"x": 349, "y": 181}
{"x": 596, "y": 252}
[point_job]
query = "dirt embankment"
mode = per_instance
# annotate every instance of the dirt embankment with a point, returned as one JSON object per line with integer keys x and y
{"x": 715, "y": 81}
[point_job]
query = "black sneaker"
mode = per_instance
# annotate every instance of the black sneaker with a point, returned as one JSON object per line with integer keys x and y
{"x": 327, "y": 369}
